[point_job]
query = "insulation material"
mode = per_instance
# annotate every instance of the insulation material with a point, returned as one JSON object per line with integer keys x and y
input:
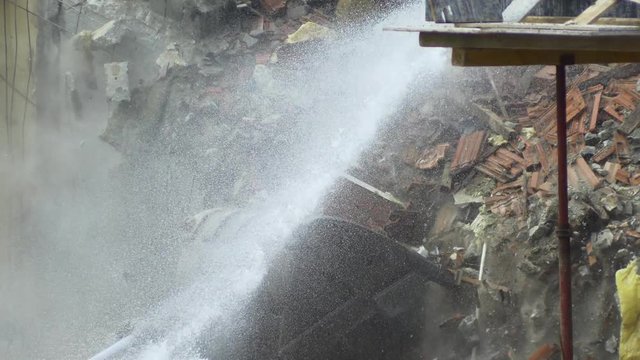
{"x": 628, "y": 283}
{"x": 310, "y": 31}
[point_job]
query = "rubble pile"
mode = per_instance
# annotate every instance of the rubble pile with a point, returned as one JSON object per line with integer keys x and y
{"x": 216, "y": 80}
{"x": 490, "y": 178}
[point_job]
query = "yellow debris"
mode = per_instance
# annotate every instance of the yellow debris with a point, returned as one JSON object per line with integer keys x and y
{"x": 310, "y": 31}
{"x": 628, "y": 283}
{"x": 528, "y": 133}
{"x": 497, "y": 140}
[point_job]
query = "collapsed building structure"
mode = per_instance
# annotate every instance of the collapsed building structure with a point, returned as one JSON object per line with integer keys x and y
{"x": 470, "y": 166}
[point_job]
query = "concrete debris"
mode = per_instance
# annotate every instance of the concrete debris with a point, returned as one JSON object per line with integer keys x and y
{"x": 105, "y": 37}
{"x": 461, "y": 198}
{"x": 539, "y": 231}
{"x": 170, "y": 59}
{"x": 495, "y": 122}
{"x": 117, "y": 78}
{"x": 249, "y": 40}
{"x": 603, "y": 240}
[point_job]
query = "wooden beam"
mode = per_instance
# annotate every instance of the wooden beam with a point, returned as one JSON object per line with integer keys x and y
{"x": 593, "y": 12}
{"x": 518, "y": 9}
{"x": 518, "y": 57}
{"x": 565, "y": 39}
{"x": 564, "y": 19}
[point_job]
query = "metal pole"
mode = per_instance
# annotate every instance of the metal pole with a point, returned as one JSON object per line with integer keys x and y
{"x": 563, "y": 231}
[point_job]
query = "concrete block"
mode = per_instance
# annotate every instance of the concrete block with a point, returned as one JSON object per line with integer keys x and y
{"x": 117, "y": 80}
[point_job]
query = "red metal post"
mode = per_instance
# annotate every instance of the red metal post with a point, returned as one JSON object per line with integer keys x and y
{"x": 563, "y": 230}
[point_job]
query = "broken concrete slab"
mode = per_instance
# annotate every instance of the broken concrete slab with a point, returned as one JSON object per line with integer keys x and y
{"x": 169, "y": 59}
{"x": 603, "y": 240}
{"x": 249, "y": 40}
{"x": 117, "y": 81}
{"x": 105, "y": 37}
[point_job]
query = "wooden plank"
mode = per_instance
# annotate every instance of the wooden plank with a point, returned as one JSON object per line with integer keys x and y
{"x": 594, "y": 112}
{"x": 593, "y": 12}
{"x": 563, "y": 40}
{"x": 518, "y": 57}
{"x": 518, "y": 9}
{"x": 563, "y": 20}
{"x": 505, "y": 26}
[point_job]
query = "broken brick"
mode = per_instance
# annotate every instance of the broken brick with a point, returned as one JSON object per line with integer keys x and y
{"x": 575, "y": 103}
{"x": 586, "y": 174}
{"x": 623, "y": 176}
{"x": 611, "y": 110}
{"x": 612, "y": 169}
{"x": 467, "y": 151}
{"x": 622, "y": 148}
{"x": 604, "y": 153}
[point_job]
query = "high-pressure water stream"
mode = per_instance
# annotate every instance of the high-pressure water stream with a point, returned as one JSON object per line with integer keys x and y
{"x": 347, "y": 87}
{"x": 356, "y": 83}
